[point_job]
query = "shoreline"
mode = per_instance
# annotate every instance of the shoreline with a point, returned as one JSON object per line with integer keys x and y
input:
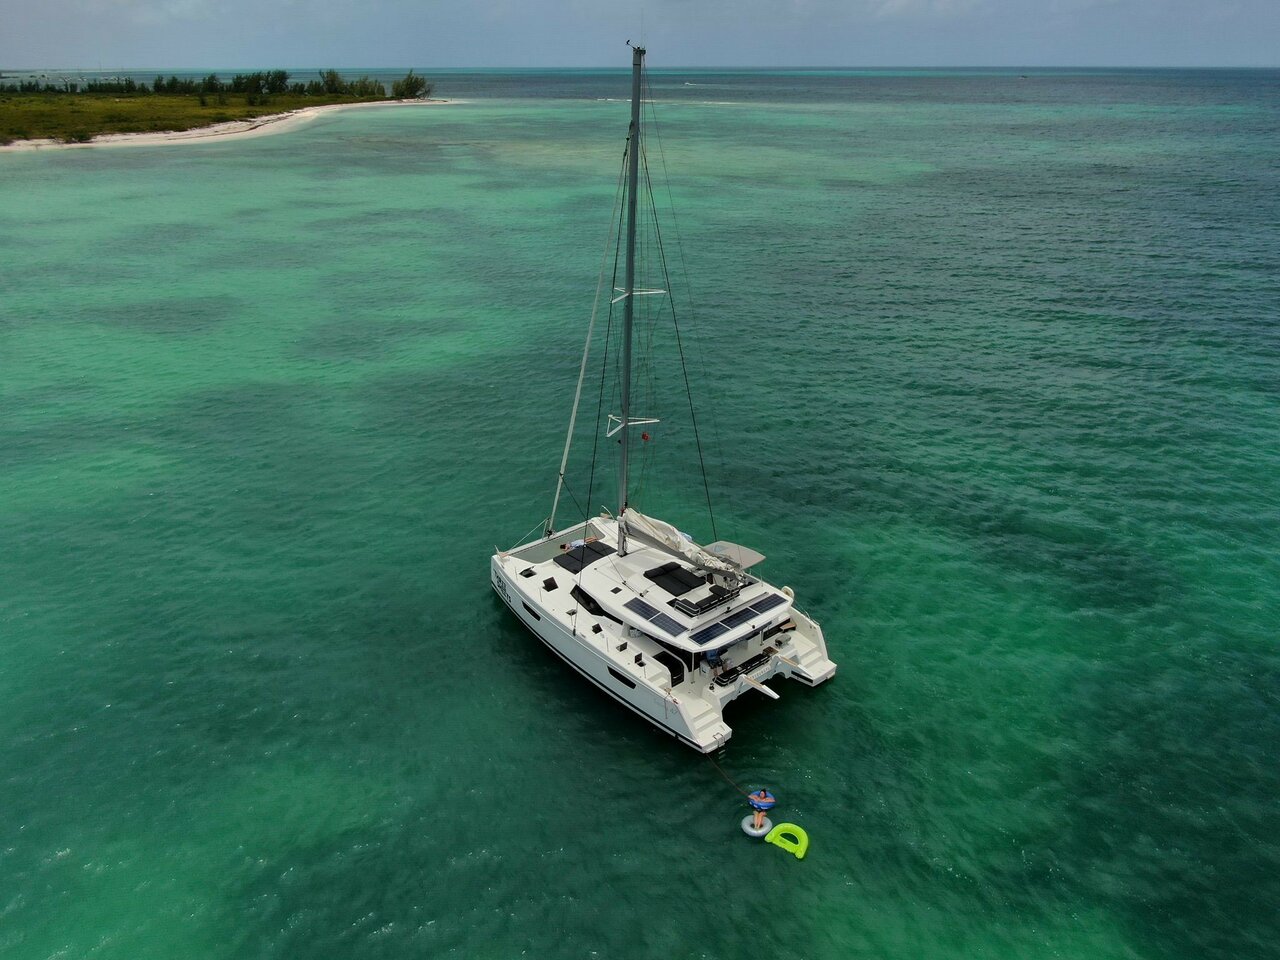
{"x": 230, "y": 129}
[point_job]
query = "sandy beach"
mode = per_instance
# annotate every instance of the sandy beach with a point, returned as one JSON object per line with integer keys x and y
{"x": 238, "y": 129}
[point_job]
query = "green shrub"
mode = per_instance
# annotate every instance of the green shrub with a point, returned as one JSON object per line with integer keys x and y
{"x": 411, "y": 87}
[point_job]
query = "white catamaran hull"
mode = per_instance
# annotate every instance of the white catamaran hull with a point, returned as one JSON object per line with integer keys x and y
{"x": 656, "y": 706}
{"x": 582, "y": 616}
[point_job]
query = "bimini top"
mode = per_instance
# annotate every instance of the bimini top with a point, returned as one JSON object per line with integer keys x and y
{"x": 735, "y": 553}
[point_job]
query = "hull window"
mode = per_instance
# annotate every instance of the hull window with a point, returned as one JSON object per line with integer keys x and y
{"x": 622, "y": 678}
{"x": 586, "y": 601}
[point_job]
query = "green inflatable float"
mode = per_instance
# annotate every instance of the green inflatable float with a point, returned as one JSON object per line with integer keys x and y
{"x": 789, "y": 837}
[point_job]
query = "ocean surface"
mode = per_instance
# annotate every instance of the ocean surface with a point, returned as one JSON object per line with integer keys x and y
{"x": 986, "y": 362}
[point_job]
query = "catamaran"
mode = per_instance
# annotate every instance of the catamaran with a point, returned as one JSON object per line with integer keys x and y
{"x": 671, "y": 629}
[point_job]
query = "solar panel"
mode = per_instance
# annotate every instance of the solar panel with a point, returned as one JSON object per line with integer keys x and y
{"x": 706, "y": 634}
{"x": 663, "y": 622}
{"x": 739, "y": 618}
{"x": 639, "y": 606}
{"x": 768, "y": 603}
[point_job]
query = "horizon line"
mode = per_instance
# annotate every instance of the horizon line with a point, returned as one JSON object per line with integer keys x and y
{"x": 673, "y": 68}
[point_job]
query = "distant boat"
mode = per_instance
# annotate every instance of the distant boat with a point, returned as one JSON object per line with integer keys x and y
{"x": 671, "y": 630}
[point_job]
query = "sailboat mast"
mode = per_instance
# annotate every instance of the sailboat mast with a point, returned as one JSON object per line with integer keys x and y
{"x": 628, "y": 311}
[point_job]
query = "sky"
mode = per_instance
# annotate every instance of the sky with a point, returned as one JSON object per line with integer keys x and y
{"x": 197, "y": 34}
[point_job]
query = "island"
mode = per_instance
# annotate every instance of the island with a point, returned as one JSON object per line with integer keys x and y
{"x": 69, "y": 112}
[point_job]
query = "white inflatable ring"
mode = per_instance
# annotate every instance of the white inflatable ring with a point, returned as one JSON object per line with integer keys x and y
{"x": 749, "y": 826}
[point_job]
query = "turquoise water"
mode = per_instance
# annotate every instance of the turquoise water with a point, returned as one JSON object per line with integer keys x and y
{"x": 989, "y": 369}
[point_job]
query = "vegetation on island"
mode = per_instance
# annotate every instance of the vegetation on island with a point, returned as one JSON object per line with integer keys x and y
{"x": 76, "y": 112}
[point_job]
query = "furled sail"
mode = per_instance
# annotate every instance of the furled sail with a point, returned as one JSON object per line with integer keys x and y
{"x": 664, "y": 535}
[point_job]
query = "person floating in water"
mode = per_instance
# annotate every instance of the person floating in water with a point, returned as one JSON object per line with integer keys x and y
{"x": 761, "y": 801}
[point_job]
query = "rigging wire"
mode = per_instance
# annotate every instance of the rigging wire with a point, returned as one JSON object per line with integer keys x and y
{"x": 700, "y": 356}
{"x": 684, "y": 367}
{"x": 648, "y": 313}
{"x": 604, "y": 364}
{"x": 525, "y": 539}
{"x": 581, "y": 510}
{"x": 652, "y": 240}
{"x": 582, "y": 369}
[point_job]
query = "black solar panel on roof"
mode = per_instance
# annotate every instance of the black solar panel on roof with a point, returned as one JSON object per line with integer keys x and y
{"x": 654, "y": 616}
{"x": 667, "y": 624}
{"x": 768, "y": 603}
{"x": 739, "y": 618}
{"x": 707, "y": 634}
{"x": 639, "y": 606}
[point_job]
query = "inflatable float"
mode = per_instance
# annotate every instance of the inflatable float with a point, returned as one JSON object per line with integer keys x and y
{"x": 790, "y": 838}
{"x": 749, "y": 826}
{"x": 767, "y": 802}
